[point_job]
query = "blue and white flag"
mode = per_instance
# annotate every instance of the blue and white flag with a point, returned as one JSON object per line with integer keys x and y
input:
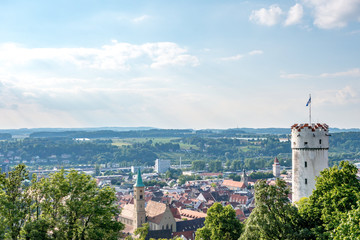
{"x": 308, "y": 102}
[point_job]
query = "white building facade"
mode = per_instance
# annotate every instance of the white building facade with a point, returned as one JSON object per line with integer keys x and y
{"x": 161, "y": 166}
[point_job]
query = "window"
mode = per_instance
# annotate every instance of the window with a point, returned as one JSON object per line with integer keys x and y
{"x": 305, "y": 163}
{"x": 305, "y": 143}
{"x": 305, "y": 180}
{"x": 319, "y": 141}
{"x": 141, "y": 196}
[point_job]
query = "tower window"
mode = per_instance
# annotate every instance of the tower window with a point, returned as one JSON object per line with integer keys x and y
{"x": 305, "y": 180}
{"x": 319, "y": 141}
{"x": 141, "y": 196}
{"x": 305, "y": 163}
{"x": 305, "y": 143}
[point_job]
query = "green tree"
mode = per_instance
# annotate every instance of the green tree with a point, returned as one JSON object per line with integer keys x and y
{"x": 97, "y": 170}
{"x": 337, "y": 192}
{"x": 227, "y": 164}
{"x": 220, "y": 223}
{"x": 273, "y": 217}
{"x": 215, "y": 166}
{"x": 236, "y": 165}
{"x": 349, "y": 227}
{"x": 142, "y": 231}
{"x": 198, "y": 165}
{"x": 75, "y": 208}
{"x": 14, "y": 202}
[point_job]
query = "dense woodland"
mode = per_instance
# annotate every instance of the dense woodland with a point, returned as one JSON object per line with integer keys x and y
{"x": 233, "y": 149}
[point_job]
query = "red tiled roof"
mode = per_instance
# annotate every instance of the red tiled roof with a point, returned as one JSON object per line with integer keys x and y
{"x": 235, "y": 184}
{"x": 238, "y": 198}
{"x": 191, "y": 214}
{"x": 189, "y": 235}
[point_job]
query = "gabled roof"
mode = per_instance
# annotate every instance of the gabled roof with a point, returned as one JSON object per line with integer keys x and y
{"x": 192, "y": 214}
{"x": 238, "y": 198}
{"x": 127, "y": 211}
{"x": 155, "y": 208}
{"x": 231, "y": 183}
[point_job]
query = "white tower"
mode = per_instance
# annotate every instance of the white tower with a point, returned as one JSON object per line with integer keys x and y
{"x": 276, "y": 168}
{"x": 310, "y": 144}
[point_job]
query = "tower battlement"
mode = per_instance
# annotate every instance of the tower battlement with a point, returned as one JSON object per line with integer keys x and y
{"x": 306, "y": 136}
{"x": 313, "y": 127}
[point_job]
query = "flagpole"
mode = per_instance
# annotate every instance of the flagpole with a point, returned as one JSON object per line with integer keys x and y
{"x": 310, "y": 110}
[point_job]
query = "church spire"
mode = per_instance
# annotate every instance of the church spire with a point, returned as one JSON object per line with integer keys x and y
{"x": 139, "y": 182}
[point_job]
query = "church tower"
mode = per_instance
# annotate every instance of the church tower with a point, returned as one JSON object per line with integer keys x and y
{"x": 276, "y": 168}
{"x": 139, "y": 202}
{"x": 310, "y": 144}
{"x": 244, "y": 177}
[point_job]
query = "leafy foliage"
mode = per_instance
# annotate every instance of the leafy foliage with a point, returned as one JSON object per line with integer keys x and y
{"x": 220, "y": 223}
{"x": 261, "y": 175}
{"x": 67, "y": 205}
{"x": 273, "y": 217}
{"x": 337, "y": 192}
{"x": 349, "y": 227}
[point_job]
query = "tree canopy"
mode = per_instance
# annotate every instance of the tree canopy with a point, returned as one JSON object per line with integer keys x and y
{"x": 67, "y": 205}
{"x": 273, "y": 217}
{"x": 220, "y": 223}
{"x": 337, "y": 193}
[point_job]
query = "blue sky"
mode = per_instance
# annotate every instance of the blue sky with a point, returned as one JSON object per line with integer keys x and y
{"x": 179, "y": 64}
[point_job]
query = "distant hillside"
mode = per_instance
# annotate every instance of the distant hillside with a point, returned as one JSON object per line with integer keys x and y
{"x": 136, "y": 132}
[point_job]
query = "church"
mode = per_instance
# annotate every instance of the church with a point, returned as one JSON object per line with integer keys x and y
{"x": 158, "y": 215}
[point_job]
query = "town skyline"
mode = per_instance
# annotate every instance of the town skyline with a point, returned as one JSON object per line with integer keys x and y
{"x": 178, "y": 65}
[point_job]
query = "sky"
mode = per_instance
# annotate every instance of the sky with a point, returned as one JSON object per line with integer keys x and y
{"x": 179, "y": 64}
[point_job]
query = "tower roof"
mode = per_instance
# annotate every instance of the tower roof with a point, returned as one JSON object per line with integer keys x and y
{"x": 313, "y": 127}
{"x": 276, "y": 160}
{"x": 139, "y": 182}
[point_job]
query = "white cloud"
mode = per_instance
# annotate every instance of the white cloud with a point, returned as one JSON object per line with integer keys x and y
{"x": 334, "y": 13}
{"x": 116, "y": 56}
{"x": 140, "y": 19}
{"x": 232, "y": 58}
{"x": 240, "y": 56}
{"x": 268, "y": 17}
{"x": 256, "y": 52}
{"x": 294, "y": 75}
{"x": 346, "y": 95}
{"x": 295, "y": 15}
{"x": 355, "y": 72}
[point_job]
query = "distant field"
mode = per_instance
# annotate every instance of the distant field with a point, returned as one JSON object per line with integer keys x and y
{"x": 129, "y": 141}
{"x": 120, "y": 143}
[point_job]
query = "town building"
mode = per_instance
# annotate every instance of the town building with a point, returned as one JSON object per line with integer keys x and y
{"x": 161, "y": 166}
